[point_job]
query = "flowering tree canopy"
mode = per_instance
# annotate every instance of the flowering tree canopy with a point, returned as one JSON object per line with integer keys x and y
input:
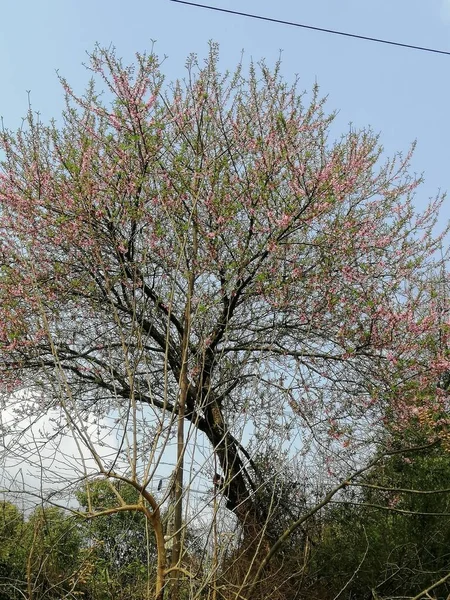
{"x": 205, "y": 251}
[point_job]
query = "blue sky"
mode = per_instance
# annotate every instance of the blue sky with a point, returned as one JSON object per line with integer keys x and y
{"x": 403, "y": 94}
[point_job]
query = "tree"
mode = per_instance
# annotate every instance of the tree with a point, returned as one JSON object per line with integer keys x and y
{"x": 12, "y": 555}
{"x": 202, "y": 254}
{"x": 123, "y": 549}
{"x": 391, "y": 536}
{"x": 40, "y": 557}
{"x": 52, "y": 545}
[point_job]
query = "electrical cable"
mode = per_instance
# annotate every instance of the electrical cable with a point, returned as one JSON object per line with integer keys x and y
{"x": 322, "y": 29}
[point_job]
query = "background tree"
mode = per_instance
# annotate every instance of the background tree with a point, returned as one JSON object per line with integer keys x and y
{"x": 12, "y": 555}
{"x": 391, "y": 536}
{"x": 40, "y": 556}
{"x": 201, "y": 261}
{"x": 122, "y": 543}
{"x": 52, "y": 545}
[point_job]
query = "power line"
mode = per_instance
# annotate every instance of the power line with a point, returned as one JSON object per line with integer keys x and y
{"x": 293, "y": 24}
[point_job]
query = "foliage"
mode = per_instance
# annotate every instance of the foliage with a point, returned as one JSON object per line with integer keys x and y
{"x": 11, "y": 551}
{"x": 40, "y": 556}
{"x": 122, "y": 547}
{"x": 394, "y": 536}
{"x": 54, "y": 555}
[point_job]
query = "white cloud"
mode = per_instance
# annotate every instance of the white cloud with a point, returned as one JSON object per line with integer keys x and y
{"x": 42, "y": 454}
